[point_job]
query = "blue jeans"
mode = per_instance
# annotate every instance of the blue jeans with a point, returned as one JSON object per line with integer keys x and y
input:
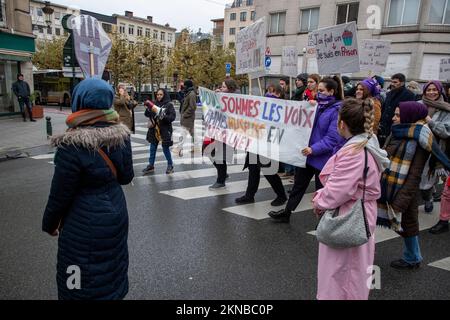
{"x": 411, "y": 251}
{"x": 166, "y": 151}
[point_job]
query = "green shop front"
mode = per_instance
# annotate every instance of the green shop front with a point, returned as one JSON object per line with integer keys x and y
{"x": 15, "y": 57}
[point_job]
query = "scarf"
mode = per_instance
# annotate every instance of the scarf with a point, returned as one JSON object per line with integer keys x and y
{"x": 89, "y": 117}
{"x": 395, "y": 176}
{"x": 439, "y": 104}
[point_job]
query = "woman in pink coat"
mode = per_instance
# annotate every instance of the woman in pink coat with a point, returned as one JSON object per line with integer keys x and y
{"x": 345, "y": 274}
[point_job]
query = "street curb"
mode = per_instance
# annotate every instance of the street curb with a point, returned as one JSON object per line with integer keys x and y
{"x": 14, "y": 154}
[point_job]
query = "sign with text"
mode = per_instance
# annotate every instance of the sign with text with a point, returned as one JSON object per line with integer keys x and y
{"x": 250, "y": 48}
{"x": 273, "y": 128}
{"x": 336, "y": 48}
{"x": 289, "y": 62}
{"x": 373, "y": 55}
{"x": 444, "y": 69}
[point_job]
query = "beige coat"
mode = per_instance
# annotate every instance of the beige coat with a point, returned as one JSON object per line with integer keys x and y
{"x": 124, "y": 107}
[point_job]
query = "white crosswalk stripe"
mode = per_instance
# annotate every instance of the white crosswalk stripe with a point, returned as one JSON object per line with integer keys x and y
{"x": 443, "y": 264}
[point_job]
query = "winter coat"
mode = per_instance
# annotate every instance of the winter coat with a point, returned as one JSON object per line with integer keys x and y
{"x": 124, "y": 107}
{"x": 406, "y": 198}
{"x": 188, "y": 108}
{"x": 21, "y": 89}
{"x": 299, "y": 94}
{"x": 393, "y": 99}
{"x": 89, "y": 201}
{"x": 163, "y": 121}
{"x": 325, "y": 140}
{"x": 342, "y": 273}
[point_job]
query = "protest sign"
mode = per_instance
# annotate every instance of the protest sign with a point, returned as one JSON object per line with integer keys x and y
{"x": 289, "y": 62}
{"x": 92, "y": 45}
{"x": 336, "y": 48}
{"x": 250, "y": 48}
{"x": 444, "y": 69}
{"x": 373, "y": 55}
{"x": 273, "y": 128}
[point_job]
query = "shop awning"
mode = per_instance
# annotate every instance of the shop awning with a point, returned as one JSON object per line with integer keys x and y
{"x": 17, "y": 43}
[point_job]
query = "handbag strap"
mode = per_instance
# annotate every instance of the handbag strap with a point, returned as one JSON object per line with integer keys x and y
{"x": 108, "y": 162}
{"x": 366, "y": 172}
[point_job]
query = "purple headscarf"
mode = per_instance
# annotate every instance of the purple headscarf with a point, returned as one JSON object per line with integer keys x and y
{"x": 372, "y": 86}
{"x": 411, "y": 111}
{"x": 438, "y": 85}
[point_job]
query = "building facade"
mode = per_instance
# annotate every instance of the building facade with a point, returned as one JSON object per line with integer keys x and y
{"x": 51, "y": 29}
{"x": 419, "y": 30}
{"x": 16, "y": 49}
{"x": 238, "y": 15}
{"x": 218, "y": 31}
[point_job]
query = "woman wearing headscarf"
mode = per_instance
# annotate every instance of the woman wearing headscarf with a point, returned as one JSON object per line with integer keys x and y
{"x": 86, "y": 206}
{"x": 161, "y": 114}
{"x": 409, "y": 146}
{"x": 366, "y": 89}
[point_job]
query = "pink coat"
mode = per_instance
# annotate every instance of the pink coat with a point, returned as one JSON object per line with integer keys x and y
{"x": 343, "y": 273}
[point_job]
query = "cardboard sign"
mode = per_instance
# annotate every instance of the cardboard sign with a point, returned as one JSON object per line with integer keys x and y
{"x": 444, "y": 69}
{"x": 373, "y": 55}
{"x": 273, "y": 128}
{"x": 250, "y": 48}
{"x": 289, "y": 62}
{"x": 92, "y": 45}
{"x": 336, "y": 48}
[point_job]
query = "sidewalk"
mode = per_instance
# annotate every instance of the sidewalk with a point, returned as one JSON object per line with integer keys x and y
{"x": 20, "y": 139}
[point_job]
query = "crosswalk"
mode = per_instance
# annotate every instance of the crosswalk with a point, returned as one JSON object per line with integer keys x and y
{"x": 198, "y": 189}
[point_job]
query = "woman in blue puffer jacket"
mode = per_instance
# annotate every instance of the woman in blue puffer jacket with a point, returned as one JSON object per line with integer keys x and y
{"x": 325, "y": 141}
{"x": 86, "y": 206}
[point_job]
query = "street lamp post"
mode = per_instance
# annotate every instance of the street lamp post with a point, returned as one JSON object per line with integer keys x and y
{"x": 48, "y": 11}
{"x": 140, "y": 63}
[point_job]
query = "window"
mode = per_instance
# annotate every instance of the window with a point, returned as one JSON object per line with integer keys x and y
{"x": 249, "y": 2}
{"x": 347, "y": 13}
{"x": 122, "y": 28}
{"x": 139, "y": 31}
{"x": 277, "y": 22}
{"x": 233, "y": 16}
{"x": 155, "y": 34}
{"x": 41, "y": 29}
{"x": 147, "y": 33}
{"x": 231, "y": 45}
{"x": 253, "y": 15}
{"x": 238, "y": 3}
{"x": 232, "y": 31}
{"x": 39, "y": 12}
{"x": 163, "y": 36}
{"x": 169, "y": 37}
{"x": 57, "y": 31}
{"x": 440, "y": 12}
{"x": 309, "y": 20}
{"x": 2, "y": 13}
{"x": 241, "y": 28}
{"x": 49, "y": 30}
{"x": 131, "y": 30}
{"x": 57, "y": 15}
{"x": 402, "y": 12}
{"x": 107, "y": 27}
{"x": 244, "y": 16}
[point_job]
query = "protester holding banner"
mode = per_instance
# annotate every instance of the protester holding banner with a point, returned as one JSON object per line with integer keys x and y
{"x": 409, "y": 146}
{"x": 398, "y": 94}
{"x": 342, "y": 273}
{"x": 301, "y": 85}
{"x": 368, "y": 89}
{"x": 254, "y": 164}
{"x": 439, "y": 122}
{"x": 324, "y": 143}
{"x": 188, "y": 108}
{"x": 221, "y": 150}
{"x": 311, "y": 90}
{"x": 161, "y": 114}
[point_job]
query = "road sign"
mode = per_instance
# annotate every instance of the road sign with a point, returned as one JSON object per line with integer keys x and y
{"x": 268, "y": 62}
{"x": 228, "y": 69}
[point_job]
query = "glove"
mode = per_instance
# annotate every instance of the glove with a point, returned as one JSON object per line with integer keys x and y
{"x": 149, "y": 104}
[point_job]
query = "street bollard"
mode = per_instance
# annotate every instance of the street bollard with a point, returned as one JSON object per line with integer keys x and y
{"x": 49, "y": 127}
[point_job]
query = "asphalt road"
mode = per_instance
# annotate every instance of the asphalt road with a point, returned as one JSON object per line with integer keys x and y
{"x": 193, "y": 249}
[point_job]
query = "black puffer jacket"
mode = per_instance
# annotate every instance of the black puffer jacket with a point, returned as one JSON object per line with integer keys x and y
{"x": 89, "y": 201}
{"x": 163, "y": 122}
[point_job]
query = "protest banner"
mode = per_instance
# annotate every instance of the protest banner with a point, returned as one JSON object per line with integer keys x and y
{"x": 444, "y": 69}
{"x": 250, "y": 48}
{"x": 273, "y": 128}
{"x": 336, "y": 48}
{"x": 373, "y": 55}
{"x": 289, "y": 62}
{"x": 92, "y": 45}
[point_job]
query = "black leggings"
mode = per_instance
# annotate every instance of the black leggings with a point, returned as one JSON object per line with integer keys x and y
{"x": 302, "y": 179}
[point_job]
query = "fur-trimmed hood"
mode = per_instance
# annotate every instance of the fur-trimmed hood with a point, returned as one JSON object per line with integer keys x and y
{"x": 93, "y": 138}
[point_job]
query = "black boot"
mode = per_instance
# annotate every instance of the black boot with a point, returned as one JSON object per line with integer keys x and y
{"x": 31, "y": 115}
{"x": 245, "y": 200}
{"x": 440, "y": 227}
{"x": 283, "y": 216}
{"x": 24, "y": 117}
{"x": 403, "y": 265}
{"x": 279, "y": 201}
